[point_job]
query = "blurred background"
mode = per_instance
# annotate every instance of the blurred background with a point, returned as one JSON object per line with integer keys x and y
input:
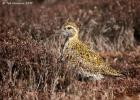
{"x": 30, "y": 47}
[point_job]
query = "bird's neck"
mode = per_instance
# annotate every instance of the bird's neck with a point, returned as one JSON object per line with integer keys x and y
{"x": 72, "y": 41}
{"x": 75, "y": 37}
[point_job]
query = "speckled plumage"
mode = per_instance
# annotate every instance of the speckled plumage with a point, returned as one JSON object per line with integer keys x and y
{"x": 74, "y": 51}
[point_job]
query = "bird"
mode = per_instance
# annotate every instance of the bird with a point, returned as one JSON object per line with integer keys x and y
{"x": 75, "y": 52}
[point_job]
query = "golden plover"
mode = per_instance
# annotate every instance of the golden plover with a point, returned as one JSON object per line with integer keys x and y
{"x": 74, "y": 51}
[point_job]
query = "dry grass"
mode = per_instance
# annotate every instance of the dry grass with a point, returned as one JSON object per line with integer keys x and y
{"x": 30, "y": 48}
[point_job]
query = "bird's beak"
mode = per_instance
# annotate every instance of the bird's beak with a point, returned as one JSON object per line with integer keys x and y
{"x": 62, "y": 31}
{"x": 58, "y": 31}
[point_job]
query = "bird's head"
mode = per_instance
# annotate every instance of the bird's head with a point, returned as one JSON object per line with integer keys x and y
{"x": 70, "y": 29}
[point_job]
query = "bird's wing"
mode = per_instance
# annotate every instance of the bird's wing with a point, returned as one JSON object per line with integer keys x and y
{"x": 94, "y": 61}
{"x": 103, "y": 66}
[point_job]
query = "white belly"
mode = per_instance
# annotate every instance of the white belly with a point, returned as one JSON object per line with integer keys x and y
{"x": 91, "y": 76}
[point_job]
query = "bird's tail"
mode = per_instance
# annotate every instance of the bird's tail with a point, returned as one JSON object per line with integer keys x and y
{"x": 113, "y": 72}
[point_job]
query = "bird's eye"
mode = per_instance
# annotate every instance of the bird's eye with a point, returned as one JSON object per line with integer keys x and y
{"x": 69, "y": 28}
